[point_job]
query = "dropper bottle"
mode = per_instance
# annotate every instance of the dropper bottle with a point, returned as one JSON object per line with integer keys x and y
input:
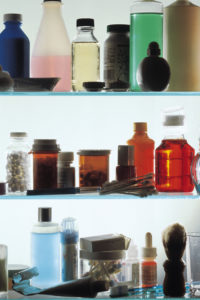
{"x": 149, "y": 264}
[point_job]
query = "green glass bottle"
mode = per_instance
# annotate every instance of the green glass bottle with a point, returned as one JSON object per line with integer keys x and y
{"x": 146, "y": 27}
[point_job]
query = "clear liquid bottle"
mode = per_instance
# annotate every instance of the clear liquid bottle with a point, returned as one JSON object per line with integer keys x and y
{"x": 146, "y": 27}
{"x": 85, "y": 55}
{"x": 52, "y": 50}
{"x": 45, "y": 250}
{"x": 174, "y": 157}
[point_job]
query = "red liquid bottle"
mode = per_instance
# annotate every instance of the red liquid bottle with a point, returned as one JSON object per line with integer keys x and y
{"x": 173, "y": 158}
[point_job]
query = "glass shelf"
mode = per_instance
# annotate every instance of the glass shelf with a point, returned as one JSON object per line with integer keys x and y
{"x": 103, "y": 94}
{"x": 96, "y": 196}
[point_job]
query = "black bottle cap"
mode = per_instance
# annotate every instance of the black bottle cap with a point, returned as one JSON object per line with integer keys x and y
{"x": 12, "y": 17}
{"x": 52, "y": 0}
{"x": 153, "y": 49}
{"x": 45, "y": 145}
{"x": 119, "y": 86}
{"x": 118, "y": 28}
{"x": 84, "y": 22}
{"x": 44, "y": 214}
{"x": 93, "y": 86}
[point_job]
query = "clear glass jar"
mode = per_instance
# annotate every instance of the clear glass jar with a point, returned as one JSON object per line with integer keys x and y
{"x": 18, "y": 163}
{"x": 93, "y": 167}
{"x": 101, "y": 265}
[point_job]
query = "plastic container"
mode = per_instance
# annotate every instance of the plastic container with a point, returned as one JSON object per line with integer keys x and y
{"x": 69, "y": 249}
{"x": 125, "y": 169}
{"x": 93, "y": 167}
{"x": 101, "y": 265}
{"x": 85, "y": 55}
{"x": 3, "y": 271}
{"x": 116, "y": 55}
{"x": 143, "y": 149}
{"x": 51, "y": 55}
{"x": 174, "y": 156}
{"x": 45, "y": 155}
{"x": 14, "y": 47}
{"x": 66, "y": 173}
{"x": 182, "y": 45}
{"x": 18, "y": 163}
{"x": 146, "y": 27}
{"x": 45, "y": 250}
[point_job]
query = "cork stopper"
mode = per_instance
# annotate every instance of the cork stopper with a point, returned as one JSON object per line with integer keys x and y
{"x": 140, "y": 126}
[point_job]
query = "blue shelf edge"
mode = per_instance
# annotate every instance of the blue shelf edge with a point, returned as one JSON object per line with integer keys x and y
{"x": 125, "y": 94}
{"x": 95, "y": 196}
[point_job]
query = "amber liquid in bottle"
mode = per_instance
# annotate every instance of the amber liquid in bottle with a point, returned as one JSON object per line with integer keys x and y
{"x": 173, "y": 161}
{"x": 143, "y": 150}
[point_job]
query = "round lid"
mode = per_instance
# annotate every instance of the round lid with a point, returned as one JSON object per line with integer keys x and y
{"x": 148, "y": 250}
{"x": 93, "y": 152}
{"x": 45, "y": 145}
{"x": 18, "y": 134}
{"x": 66, "y": 156}
{"x": 85, "y": 22}
{"x": 119, "y": 85}
{"x": 103, "y": 255}
{"x": 12, "y": 17}
{"x": 140, "y": 126}
{"x": 93, "y": 85}
{"x": 13, "y": 269}
{"x": 175, "y": 120}
{"x": 118, "y": 28}
{"x": 125, "y": 155}
{"x": 44, "y": 214}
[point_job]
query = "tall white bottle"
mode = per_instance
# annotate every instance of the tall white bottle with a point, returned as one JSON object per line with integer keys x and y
{"x": 52, "y": 50}
{"x": 182, "y": 45}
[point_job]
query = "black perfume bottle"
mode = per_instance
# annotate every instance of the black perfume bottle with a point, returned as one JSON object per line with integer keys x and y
{"x": 153, "y": 72}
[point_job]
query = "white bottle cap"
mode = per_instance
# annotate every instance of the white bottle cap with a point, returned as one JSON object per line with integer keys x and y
{"x": 175, "y": 120}
{"x": 148, "y": 250}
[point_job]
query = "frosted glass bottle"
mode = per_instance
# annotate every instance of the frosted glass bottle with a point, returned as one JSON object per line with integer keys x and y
{"x": 45, "y": 250}
{"x": 52, "y": 50}
{"x": 146, "y": 27}
{"x": 182, "y": 45}
{"x": 85, "y": 55}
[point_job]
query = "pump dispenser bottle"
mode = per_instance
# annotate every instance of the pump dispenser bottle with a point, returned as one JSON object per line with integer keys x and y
{"x": 174, "y": 156}
{"x": 45, "y": 250}
{"x": 52, "y": 50}
{"x": 149, "y": 264}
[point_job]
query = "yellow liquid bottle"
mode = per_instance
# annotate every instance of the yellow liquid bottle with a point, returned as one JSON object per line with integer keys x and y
{"x": 85, "y": 55}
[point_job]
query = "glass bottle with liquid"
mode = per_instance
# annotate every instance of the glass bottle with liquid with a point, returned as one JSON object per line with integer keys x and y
{"x": 52, "y": 50}
{"x": 146, "y": 27}
{"x": 45, "y": 250}
{"x": 174, "y": 157}
{"x": 85, "y": 55}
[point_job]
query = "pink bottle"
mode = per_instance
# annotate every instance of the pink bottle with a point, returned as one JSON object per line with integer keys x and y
{"x": 52, "y": 50}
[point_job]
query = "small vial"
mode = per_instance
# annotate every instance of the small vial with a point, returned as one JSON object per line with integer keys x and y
{"x": 66, "y": 173}
{"x": 125, "y": 169}
{"x": 69, "y": 249}
{"x": 149, "y": 265}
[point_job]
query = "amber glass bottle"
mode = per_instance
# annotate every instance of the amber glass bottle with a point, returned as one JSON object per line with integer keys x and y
{"x": 143, "y": 149}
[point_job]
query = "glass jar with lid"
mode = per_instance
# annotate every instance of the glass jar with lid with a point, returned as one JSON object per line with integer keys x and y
{"x": 18, "y": 163}
{"x": 45, "y": 155}
{"x": 93, "y": 167}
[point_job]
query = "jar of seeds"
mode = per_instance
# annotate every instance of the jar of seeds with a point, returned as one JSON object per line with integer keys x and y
{"x": 18, "y": 163}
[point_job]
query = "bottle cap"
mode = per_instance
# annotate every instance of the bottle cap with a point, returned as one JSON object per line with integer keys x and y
{"x": 175, "y": 120}
{"x": 44, "y": 214}
{"x": 148, "y": 250}
{"x": 93, "y": 86}
{"x": 153, "y": 49}
{"x": 45, "y": 145}
{"x": 93, "y": 152}
{"x": 66, "y": 156}
{"x": 118, "y": 28}
{"x": 84, "y": 22}
{"x": 140, "y": 126}
{"x": 12, "y": 17}
{"x": 125, "y": 155}
{"x": 119, "y": 86}
{"x": 18, "y": 134}
{"x": 52, "y": 0}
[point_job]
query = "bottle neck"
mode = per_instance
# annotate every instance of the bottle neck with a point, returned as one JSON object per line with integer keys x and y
{"x": 85, "y": 34}
{"x": 173, "y": 132}
{"x": 140, "y": 133}
{"x": 51, "y": 8}
{"x": 12, "y": 24}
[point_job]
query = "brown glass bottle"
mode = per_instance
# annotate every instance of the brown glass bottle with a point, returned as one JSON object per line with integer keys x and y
{"x": 125, "y": 169}
{"x": 143, "y": 149}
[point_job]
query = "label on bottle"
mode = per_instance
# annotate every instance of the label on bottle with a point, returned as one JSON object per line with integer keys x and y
{"x": 136, "y": 274}
{"x": 149, "y": 275}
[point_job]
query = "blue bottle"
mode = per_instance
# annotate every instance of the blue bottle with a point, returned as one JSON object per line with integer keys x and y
{"x": 45, "y": 250}
{"x": 14, "y": 47}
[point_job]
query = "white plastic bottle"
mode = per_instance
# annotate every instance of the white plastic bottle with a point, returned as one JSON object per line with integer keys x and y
{"x": 52, "y": 50}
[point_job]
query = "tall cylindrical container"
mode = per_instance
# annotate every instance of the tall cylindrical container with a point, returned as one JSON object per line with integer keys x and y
{"x": 182, "y": 45}
{"x": 146, "y": 27}
{"x": 52, "y": 51}
{"x": 14, "y": 47}
{"x": 45, "y": 250}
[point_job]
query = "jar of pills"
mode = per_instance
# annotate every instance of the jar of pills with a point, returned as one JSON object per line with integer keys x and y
{"x": 93, "y": 167}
